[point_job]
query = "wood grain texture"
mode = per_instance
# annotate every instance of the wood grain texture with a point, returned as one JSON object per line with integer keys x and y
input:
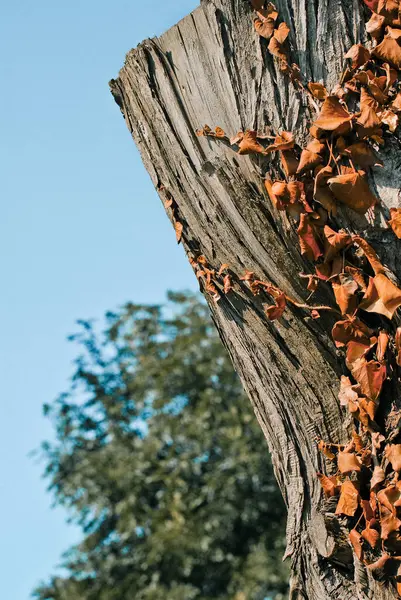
{"x": 212, "y": 68}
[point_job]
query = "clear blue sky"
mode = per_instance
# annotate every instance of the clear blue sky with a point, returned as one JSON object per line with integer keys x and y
{"x": 81, "y": 231}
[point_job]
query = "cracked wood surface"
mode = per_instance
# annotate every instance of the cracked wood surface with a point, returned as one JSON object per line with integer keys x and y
{"x": 212, "y": 68}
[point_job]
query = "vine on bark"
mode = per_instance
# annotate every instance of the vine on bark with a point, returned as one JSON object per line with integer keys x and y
{"x": 354, "y": 121}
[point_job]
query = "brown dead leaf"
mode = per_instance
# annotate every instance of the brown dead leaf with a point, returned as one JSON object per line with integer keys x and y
{"x": 333, "y": 115}
{"x": 358, "y": 54}
{"x": 372, "y": 536}
{"x": 370, "y": 376}
{"x": 318, "y": 90}
{"x": 393, "y": 455}
{"x": 390, "y": 497}
{"x": 326, "y": 449}
{"x": 368, "y": 123}
{"x": 355, "y": 351}
{"x": 276, "y": 312}
{"x": 358, "y": 276}
{"x": 375, "y": 26}
{"x": 377, "y": 478}
{"x": 282, "y": 141}
{"x": 348, "y": 462}
{"x": 363, "y": 155}
{"x": 250, "y": 145}
{"x": 357, "y": 441}
{"x": 398, "y": 345}
{"x": 370, "y": 254}
{"x": 178, "y": 230}
{"x": 277, "y": 42}
{"x": 351, "y": 329}
{"x": 264, "y": 27}
{"x": 309, "y": 159}
{"x": 289, "y": 162}
{"x": 344, "y": 292}
{"x": 353, "y": 190}
{"x": 382, "y": 296}
{"x": 389, "y": 523}
{"x": 395, "y": 221}
{"x": 308, "y": 238}
{"x": 382, "y": 345}
{"x": 349, "y": 499}
{"x": 348, "y": 391}
{"x": 329, "y": 484}
{"x": 228, "y": 285}
{"x": 389, "y": 51}
{"x": 334, "y": 242}
{"x": 356, "y": 542}
{"x": 322, "y": 192}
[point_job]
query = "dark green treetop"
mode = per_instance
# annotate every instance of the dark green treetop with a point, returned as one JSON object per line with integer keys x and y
{"x": 159, "y": 459}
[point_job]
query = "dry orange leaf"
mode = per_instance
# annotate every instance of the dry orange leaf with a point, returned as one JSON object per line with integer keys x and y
{"x": 333, "y": 115}
{"x": 348, "y": 462}
{"x": 390, "y": 497}
{"x": 276, "y": 312}
{"x": 382, "y": 296}
{"x": 277, "y": 42}
{"x": 357, "y": 441}
{"x": 356, "y": 351}
{"x": 281, "y": 33}
{"x": 289, "y": 162}
{"x": 395, "y": 221}
{"x": 372, "y": 536}
{"x": 348, "y": 391}
{"x": 329, "y": 485}
{"x": 356, "y": 541}
{"x": 228, "y": 286}
{"x": 389, "y": 50}
{"x": 389, "y": 118}
{"x": 322, "y": 192}
{"x": 377, "y": 478}
{"x": 308, "y": 239}
{"x": 353, "y": 190}
{"x": 318, "y": 90}
{"x": 264, "y": 27}
{"x": 370, "y": 376}
{"x": 326, "y": 450}
{"x": 178, "y": 230}
{"x": 389, "y": 523}
{"x": 249, "y": 144}
{"x": 223, "y": 268}
{"x": 358, "y": 276}
{"x": 344, "y": 292}
{"x": 393, "y": 454}
{"x": 382, "y": 345}
{"x": 358, "y": 54}
{"x": 351, "y": 329}
{"x": 363, "y": 155}
{"x": 334, "y": 242}
{"x": 375, "y": 25}
{"x": 368, "y": 123}
{"x": 309, "y": 160}
{"x": 370, "y": 254}
{"x": 282, "y": 141}
{"x": 398, "y": 345}
{"x": 349, "y": 499}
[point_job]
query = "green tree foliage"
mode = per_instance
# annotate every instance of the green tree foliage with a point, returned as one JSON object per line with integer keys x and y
{"x": 158, "y": 457}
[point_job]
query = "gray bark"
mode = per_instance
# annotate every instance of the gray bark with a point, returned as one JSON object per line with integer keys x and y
{"x": 212, "y": 68}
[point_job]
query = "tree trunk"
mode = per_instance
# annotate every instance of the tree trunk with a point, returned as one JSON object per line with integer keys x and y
{"x": 213, "y": 68}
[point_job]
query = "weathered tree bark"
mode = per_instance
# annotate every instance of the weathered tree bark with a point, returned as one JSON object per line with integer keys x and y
{"x": 212, "y": 68}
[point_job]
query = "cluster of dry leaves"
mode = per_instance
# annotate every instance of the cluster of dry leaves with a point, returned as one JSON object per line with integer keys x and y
{"x": 354, "y": 120}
